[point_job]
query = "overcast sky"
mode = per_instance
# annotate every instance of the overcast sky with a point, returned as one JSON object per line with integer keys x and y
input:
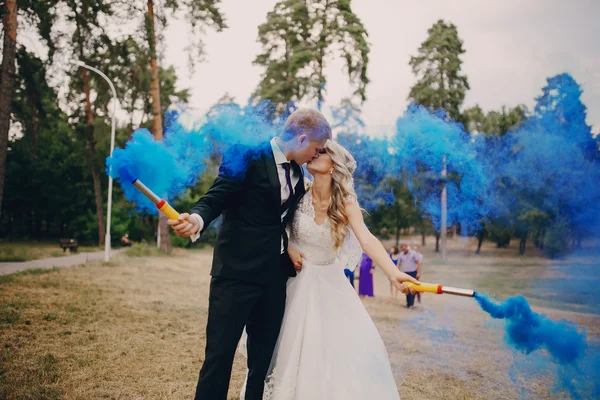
{"x": 511, "y": 48}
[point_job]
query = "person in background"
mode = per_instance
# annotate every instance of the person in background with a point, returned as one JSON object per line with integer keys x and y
{"x": 125, "y": 241}
{"x": 395, "y": 256}
{"x": 411, "y": 265}
{"x": 417, "y": 249}
{"x": 365, "y": 280}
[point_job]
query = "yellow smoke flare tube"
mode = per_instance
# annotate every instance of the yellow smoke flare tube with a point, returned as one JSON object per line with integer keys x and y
{"x": 439, "y": 289}
{"x": 161, "y": 204}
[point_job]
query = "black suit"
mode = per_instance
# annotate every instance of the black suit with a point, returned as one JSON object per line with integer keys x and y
{"x": 249, "y": 273}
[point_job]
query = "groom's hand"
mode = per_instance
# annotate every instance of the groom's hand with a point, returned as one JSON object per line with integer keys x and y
{"x": 185, "y": 226}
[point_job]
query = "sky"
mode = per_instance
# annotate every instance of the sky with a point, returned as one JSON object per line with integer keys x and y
{"x": 511, "y": 48}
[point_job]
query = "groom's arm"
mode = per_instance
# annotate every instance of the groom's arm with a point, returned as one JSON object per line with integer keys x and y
{"x": 225, "y": 189}
{"x": 221, "y": 194}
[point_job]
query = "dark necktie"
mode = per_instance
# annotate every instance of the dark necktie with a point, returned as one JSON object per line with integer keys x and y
{"x": 288, "y": 177}
{"x": 288, "y": 203}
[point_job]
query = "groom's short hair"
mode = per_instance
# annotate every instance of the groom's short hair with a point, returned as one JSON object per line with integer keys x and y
{"x": 308, "y": 121}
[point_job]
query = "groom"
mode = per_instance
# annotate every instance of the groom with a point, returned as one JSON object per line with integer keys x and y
{"x": 250, "y": 264}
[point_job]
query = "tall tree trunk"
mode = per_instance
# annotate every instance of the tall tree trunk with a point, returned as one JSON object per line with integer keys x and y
{"x": 91, "y": 147}
{"x": 34, "y": 131}
{"x": 157, "y": 128}
{"x": 9, "y": 21}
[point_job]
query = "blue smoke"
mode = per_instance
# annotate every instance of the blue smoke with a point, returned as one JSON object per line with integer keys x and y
{"x": 154, "y": 163}
{"x": 373, "y": 159}
{"x": 168, "y": 167}
{"x": 541, "y": 176}
{"x": 424, "y": 143}
{"x": 544, "y": 173}
{"x": 527, "y": 332}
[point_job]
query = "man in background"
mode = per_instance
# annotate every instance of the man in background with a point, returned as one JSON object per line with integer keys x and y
{"x": 417, "y": 249}
{"x": 411, "y": 264}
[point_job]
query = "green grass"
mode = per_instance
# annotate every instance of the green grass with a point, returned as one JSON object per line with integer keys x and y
{"x": 27, "y": 251}
{"x": 38, "y": 380}
{"x": 142, "y": 250}
{"x": 35, "y": 271}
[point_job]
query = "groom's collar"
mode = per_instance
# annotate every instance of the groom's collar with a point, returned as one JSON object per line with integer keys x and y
{"x": 280, "y": 158}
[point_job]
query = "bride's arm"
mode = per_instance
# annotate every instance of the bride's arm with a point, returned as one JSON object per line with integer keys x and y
{"x": 374, "y": 249}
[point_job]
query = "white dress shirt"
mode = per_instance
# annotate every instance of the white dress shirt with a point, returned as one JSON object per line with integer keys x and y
{"x": 280, "y": 159}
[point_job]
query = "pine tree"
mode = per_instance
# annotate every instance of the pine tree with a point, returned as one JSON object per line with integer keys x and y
{"x": 298, "y": 39}
{"x": 440, "y": 83}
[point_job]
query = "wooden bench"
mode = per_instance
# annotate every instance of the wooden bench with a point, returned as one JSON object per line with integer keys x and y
{"x": 70, "y": 244}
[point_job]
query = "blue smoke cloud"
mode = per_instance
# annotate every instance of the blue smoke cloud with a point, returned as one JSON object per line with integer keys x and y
{"x": 527, "y": 332}
{"x": 546, "y": 168}
{"x": 373, "y": 159}
{"x": 157, "y": 164}
{"x": 423, "y": 140}
{"x": 168, "y": 167}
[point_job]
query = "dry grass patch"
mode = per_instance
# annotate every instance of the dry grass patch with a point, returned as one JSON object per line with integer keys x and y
{"x": 135, "y": 329}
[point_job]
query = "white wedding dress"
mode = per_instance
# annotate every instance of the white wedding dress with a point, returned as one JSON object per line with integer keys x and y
{"x": 328, "y": 347}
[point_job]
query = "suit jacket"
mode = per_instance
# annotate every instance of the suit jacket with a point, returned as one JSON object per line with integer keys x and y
{"x": 249, "y": 241}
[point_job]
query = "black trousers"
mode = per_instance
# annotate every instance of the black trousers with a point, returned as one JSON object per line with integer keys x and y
{"x": 410, "y": 298}
{"x": 232, "y": 305}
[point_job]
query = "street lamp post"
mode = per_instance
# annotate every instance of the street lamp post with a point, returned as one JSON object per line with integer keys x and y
{"x": 112, "y": 146}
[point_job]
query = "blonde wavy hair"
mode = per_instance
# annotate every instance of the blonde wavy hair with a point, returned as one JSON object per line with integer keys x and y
{"x": 342, "y": 186}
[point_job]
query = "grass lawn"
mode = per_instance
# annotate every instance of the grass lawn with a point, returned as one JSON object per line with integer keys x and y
{"x": 26, "y": 251}
{"x": 134, "y": 328}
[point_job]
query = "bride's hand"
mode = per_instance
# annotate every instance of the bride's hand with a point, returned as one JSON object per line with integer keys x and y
{"x": 296, "y": 257}
{"x": 399, "y": 280}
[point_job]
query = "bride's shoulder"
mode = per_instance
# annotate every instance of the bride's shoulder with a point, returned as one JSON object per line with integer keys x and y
{"x": 351, "y": 199}
{"x": 351, "y": 206}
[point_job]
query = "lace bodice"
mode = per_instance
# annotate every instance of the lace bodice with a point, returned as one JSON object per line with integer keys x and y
{"x": 313, "y": 240}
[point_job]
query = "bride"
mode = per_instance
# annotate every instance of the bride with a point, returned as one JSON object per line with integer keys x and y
{"x": 328, "y": 346}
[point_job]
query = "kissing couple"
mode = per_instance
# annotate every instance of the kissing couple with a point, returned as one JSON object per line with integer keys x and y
{"x": 278, "y": 272}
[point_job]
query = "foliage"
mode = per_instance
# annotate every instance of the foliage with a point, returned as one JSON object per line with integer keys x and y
{"x": 437, "y": 67}
{"x": 298, "y": 39}
{"x": 494, "y": 122}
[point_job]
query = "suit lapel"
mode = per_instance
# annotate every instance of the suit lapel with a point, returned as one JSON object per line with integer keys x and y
{"x": 271, "y": 168}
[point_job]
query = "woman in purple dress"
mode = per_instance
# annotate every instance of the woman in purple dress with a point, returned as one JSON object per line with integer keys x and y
{"x": 365, "y": 280}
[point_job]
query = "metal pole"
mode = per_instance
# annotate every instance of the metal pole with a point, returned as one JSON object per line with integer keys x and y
{"x": 112, "y": 146}
{"x": 444, "y": 228}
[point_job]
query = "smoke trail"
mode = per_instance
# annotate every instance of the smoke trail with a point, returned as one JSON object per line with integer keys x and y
{"x": 527, "y": 331}
{"x": 154, "y": 163}
{"x": 168, "y": 167}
